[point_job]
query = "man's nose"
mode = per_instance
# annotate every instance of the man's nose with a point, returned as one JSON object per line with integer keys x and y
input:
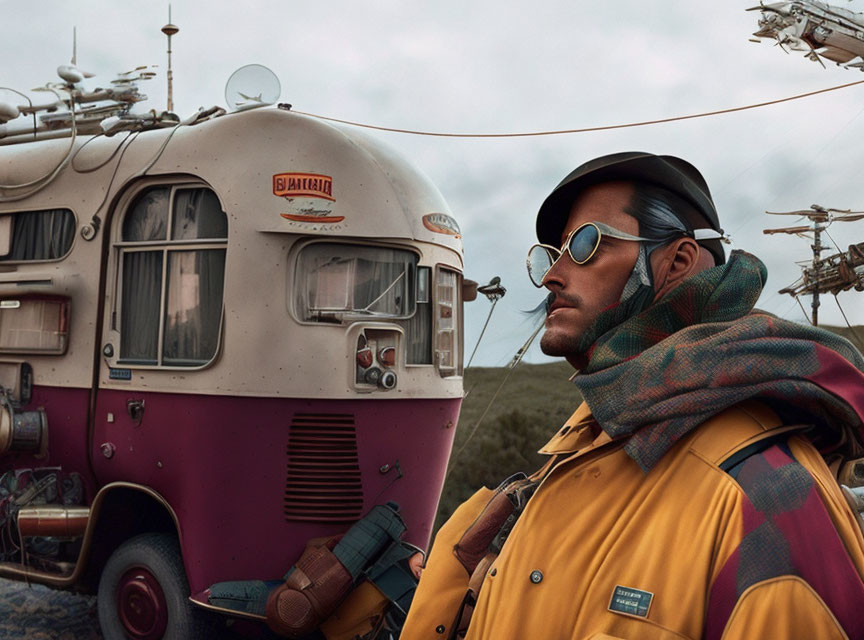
{"x": 554, "y": 280}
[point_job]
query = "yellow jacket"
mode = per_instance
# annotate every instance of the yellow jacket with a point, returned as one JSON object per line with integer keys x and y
{"x": 605, "y": 551}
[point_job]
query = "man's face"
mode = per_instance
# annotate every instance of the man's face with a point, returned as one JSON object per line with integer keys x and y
{"x": 583, "y": 291}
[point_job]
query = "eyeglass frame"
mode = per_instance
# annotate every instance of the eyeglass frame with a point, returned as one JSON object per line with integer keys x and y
{"x": 602, "y": 229}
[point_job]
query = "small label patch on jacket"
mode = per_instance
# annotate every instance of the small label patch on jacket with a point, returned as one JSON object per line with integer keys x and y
{"x": 630, "y": 601}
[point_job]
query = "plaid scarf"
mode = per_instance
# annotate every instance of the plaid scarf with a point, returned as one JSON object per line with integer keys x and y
{"x": 702, "y": 348}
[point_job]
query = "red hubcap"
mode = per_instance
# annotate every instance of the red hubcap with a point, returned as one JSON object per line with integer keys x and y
{"x": 141, "y": 605}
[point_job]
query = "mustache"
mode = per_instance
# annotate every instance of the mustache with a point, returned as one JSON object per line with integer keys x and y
{"x": 543, "y": 308}
{"x": 567, "y": 299}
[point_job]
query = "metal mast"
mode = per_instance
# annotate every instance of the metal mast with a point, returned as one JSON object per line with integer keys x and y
{"x": 817, "y": 264}
{"x": 170, "y": 30}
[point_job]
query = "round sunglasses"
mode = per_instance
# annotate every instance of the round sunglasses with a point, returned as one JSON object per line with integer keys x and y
{"x": 581, "y": 245}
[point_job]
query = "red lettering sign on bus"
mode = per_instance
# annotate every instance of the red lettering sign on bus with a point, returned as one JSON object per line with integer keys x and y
{"x": 303, "y": 185}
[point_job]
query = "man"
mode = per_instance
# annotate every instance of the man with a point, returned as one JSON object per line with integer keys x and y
{"x": 687, "y": 497}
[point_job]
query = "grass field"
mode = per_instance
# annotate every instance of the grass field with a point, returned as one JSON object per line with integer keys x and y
{"x": 533, "y": 403}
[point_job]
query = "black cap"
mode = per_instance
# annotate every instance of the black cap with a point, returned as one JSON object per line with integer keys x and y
{"x": 668, "y": 172}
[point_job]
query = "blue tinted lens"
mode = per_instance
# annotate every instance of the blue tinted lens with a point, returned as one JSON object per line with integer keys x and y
{"x": 584, "y": 242}
{"x": 539, "y": 263}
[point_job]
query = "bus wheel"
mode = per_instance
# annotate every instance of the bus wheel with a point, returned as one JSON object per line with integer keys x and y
{"x": 143, "y": 593}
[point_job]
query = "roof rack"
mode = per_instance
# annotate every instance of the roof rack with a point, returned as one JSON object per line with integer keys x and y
{"x": 79, "y": 111}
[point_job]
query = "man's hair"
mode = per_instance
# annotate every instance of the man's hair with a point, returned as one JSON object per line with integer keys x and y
{"x": 664, "y": 215}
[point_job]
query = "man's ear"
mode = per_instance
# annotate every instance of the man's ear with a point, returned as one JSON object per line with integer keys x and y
{"x": 674, "y": 262}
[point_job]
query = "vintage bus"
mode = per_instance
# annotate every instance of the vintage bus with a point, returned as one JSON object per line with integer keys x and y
{"x": 218, "y": 339}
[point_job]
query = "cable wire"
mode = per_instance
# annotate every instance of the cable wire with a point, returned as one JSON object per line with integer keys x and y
{"x": 516, "y": 360}
{"x": 851, "y": 328}
{"x": 834, "y": 242}
{"x": 128, "y": 140}
{"x": 106, "y": 161}
{"x": 485, "y": 324}
{"x": 29, "y": 101}
{"x": 42, "y": 182}
{"x": 809, "y": 319}
{"x": 526, "y": 134}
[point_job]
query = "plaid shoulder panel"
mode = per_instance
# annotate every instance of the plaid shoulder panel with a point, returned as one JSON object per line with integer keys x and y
{"x": 787, "y": 531}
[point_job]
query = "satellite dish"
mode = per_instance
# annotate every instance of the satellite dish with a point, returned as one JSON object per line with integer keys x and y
{"x": 251, "y": 86}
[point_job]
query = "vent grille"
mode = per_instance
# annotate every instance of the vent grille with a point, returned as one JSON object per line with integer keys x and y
{"x": 323, "y": 482}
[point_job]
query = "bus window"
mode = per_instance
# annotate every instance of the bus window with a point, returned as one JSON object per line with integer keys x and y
{"x": 34, "y": 325}
{"x": 448, "y": 323}
{"x": 172, "y": 263}
{"x": 40, "y": 236}
{"x": 334, "y": 281}
{"x": 418, "y": 328}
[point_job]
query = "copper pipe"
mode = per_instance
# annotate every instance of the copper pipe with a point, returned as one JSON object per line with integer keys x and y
{"x": 51, "y": 521}
{"x": 15, "y": 571}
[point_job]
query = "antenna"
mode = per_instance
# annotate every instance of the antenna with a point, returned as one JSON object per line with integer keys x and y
{"x": 170, "y": 30}
{"x": 75, "y": 45}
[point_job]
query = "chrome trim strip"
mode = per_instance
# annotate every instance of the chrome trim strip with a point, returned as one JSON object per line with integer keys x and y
{"x": 227, "y": 612}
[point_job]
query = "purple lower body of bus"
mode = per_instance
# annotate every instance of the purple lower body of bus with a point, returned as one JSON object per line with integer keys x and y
{"x": 250, "y": 480}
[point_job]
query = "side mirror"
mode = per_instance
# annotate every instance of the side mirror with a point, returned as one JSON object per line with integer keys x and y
{"x": 494, "y": 291}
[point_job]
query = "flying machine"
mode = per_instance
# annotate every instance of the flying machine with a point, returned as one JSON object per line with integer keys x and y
{"x": 820, "y": 30}
{"x": 838, "y": 272}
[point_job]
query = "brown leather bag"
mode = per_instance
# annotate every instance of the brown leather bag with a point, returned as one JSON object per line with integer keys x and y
{"x": 312, "y": 591}
{"x": 481, "y": 543}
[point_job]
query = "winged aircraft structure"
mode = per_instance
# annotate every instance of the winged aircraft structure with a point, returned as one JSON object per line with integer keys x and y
{"x": 821, "y": 30}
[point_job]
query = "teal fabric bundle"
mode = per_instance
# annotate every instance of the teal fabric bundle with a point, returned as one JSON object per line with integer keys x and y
{"x": 657, "y": 374}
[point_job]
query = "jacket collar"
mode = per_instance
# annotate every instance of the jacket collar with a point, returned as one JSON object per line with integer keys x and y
{"x": 580, "y": 432}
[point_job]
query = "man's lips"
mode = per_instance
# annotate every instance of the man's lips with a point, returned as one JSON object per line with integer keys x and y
{"x": 557, "y": 307}
{"x": 558, "y": 301}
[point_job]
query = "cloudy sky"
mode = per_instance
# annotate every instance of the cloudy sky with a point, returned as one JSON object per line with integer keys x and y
{"x": 485, "y": 66}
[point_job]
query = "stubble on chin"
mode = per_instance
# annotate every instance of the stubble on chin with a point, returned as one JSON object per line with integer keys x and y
{"x": 561, "y": 339}
{"x": 564, "y": 346}
{"x": 556, "y": 343}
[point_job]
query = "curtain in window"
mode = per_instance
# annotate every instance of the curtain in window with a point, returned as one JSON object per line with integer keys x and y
{"x": 340, "y": 278}
{"x": 35, "y": 325}
{"x": 381, "y": 287}
{"x": 41, "y": 235}
{"x": 447, "y": 306}
{"x": 193, "y": 306}
{"x": 189, "y": 308}
{"x": 197, "y": 215}
{"x": 139, "y": 325}
{"x": 419, "y": 335}
{"x": 147, "y": 219}
{"x": 329, "y": 287}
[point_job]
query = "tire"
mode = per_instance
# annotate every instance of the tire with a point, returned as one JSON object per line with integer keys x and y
{"x": 143, "y": 594}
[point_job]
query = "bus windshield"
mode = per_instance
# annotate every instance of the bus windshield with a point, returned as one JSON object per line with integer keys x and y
{"x": 335, "y": 280}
